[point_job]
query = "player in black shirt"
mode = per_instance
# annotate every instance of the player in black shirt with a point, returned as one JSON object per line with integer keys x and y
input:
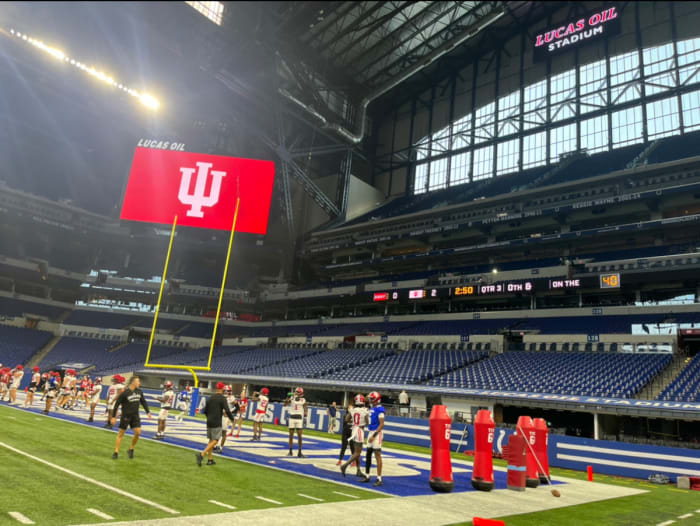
{"x": 215, "y": 407}
{"x": 129, "y": 399}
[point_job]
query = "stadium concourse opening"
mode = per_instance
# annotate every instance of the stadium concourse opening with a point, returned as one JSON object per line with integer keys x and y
{"x": 482, "y": 211}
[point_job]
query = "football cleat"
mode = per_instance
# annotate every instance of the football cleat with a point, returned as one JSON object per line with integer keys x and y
{"x": 130, "y": 453}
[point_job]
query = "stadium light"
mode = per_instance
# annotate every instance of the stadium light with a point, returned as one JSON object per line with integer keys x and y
{"x": 146, "y": 99}
{"x": 495, "y": 270}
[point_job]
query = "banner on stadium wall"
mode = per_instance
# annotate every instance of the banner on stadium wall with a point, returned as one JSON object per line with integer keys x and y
{"x": 200, "y": 189}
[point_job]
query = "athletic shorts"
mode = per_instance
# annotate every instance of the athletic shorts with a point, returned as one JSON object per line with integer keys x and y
{"x": 163, "y": 414}
{"x": 182, "y": 406}
{"x": 65, "y": 392}
{"x": 95, "y": 398}
{"x": 32, "y": 388}
{"x": 51, "y": 393}
{"x": 214, "y": 433}
{"x": 377, "y": 442}
{"x": 15, "y": 385}
{"x": 126, "y": 422}
{"x": 358, "y": 435}
{"x": 259, "y": 417}
{"x": 296, "y": 423}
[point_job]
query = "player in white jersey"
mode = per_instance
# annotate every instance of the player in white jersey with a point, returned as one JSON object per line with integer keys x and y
{"x": 297, "y": 416}
{"x": 33, "y": 385}
{"x": 65, "y": 392}
{"x": 167, "y": 403}
{"x": 114, "y": 391}
{"x": 359, "y": 420}
{"x": 260, "y": 411}
{"x": 93, "y": 392}
{"x": 17, "y": 375}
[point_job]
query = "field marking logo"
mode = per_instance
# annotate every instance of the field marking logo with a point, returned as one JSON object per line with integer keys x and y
{"x": 198, "y": 199}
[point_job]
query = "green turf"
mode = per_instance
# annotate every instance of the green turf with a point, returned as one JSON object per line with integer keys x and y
{"x": 660, "y": 504}
{"x": 164, "y": 474}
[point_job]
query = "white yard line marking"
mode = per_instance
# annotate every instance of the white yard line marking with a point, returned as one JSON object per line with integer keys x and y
{"x": 666, "y": 523}
{"x": 268, "y": 500}
{"x": 685, "y": 516}
{"x": 222, "y": 504}
{"x": 310, "y": 497}
{"x": 92, "y": 481}
{"x": 20, "y": 518}
{"x": 100, "y": 514}
{"x": 346, "y": 495}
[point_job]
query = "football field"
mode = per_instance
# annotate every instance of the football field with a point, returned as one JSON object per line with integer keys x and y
{"x": 59, "y": 470}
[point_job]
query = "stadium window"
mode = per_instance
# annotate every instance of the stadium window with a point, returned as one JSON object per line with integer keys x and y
{"x": 483, "y": 163}
{"x": 534, "y": 150}
{"x": 658, "y": 69}
{"x": 459, "y": 169}
{"x": 420, "y": 178}
{"x": 594, "y": 84}
{"x": 509, "y": 114}
{"x": 214, "y": 11}
{"x": 535, "y": 105}
{"x": 662, "y": 118}
{"x": 627, "y": 127}
{"x": 688, "y": 61}
{"x": 563, "y": 95}
{"x": 691, "y": 110}
{"x": 484, "y": 123}
{"x": 438, "y": 175}
{"x": 594, "y": 134}
{"x": 462, "y": 132}
{"x": 441, "y": 141}
{"x": 561, "y": 140}
{"x": 508, "y": 153}
{"x": 624, "y": 77}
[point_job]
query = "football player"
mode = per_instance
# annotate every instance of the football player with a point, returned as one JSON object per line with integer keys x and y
{"x": 114, "y": 391}
{"x": 17, "y": 375}
{"x": 234, "y": 408}
{"x": 65, "y": 392}
{"x": 297, "y": 416}
{"x": 260, "y": 412}
{"x": 94, "y": 391}
{"x": 359, "y": 421}
{"x": 5, "y": 379}
{"x": 242, "y": 410}
{"x": 375, "y": 436}
{"x": 33, "y": 386}
{"x": 167, "y": 403}
{"x": 53, "y": 382}
{"x": 44, "y": 385}
{"x": 183, "y": 403}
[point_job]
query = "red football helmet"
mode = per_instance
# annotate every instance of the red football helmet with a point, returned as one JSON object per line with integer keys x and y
{"x": 375, "y": 398}
{"x": 35, "y": 369}
{"x": 19, "y": 367}
{"x": 359, "y": 400}
{"x": 98, "y": 380}
{"x": 228, "y": 389}
{"x": 168, "y": 384}
{"x": 299, "y": 391}
{"x": 265, "y": 391}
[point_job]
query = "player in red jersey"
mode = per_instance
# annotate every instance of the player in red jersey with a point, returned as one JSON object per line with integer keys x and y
{"x": 260, "y": 411}
{"x": 5, "y": 379}
{"x": 33, "y": 386}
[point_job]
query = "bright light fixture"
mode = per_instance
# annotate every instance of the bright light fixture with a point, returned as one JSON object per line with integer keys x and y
{"x": 147, "y": 100}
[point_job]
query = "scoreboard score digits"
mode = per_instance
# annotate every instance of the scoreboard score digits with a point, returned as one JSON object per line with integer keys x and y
{"x": 610, "y": 281}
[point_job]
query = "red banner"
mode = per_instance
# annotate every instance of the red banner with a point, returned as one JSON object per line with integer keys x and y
{"x": 200, "y": 189}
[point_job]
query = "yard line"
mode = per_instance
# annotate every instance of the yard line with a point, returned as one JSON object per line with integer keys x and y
{"x": 268, "y": 500}
{"x": 20, "y": 518}
{"x": 100, "y": 514}
{"x": 346, "y": 495}
{"x": 666, "y": 523}
{"x": 685, "y": 516}
{"x": 92, "y": 481}
{"x": 222, "y": 504}
{"x": 310, "y": 497}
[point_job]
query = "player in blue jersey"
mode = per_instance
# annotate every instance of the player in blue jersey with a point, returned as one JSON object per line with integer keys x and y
{"x": 183, "y": 403}
{"x": 375, "y": 436}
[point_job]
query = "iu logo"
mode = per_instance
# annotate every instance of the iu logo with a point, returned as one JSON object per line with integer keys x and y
{"x": 198, "y": 199}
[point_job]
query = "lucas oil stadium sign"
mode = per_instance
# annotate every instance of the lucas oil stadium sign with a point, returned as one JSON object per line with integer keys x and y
{"x": 572, "y": 33}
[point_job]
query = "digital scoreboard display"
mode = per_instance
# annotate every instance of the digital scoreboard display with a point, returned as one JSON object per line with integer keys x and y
{"x": 419, "y": 294}
{"x": 468, "y": 290}
{"x": 610, "y": 281}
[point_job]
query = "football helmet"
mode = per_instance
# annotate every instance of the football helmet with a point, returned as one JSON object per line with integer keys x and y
{"x": 375, "y": 398}
{"x": 168, "y": 385}
{"x": 299, "y": 391}
{"x": 359, "y": 400}
{"x": 35, "y": 369}
{"x": 264, "y": 391}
